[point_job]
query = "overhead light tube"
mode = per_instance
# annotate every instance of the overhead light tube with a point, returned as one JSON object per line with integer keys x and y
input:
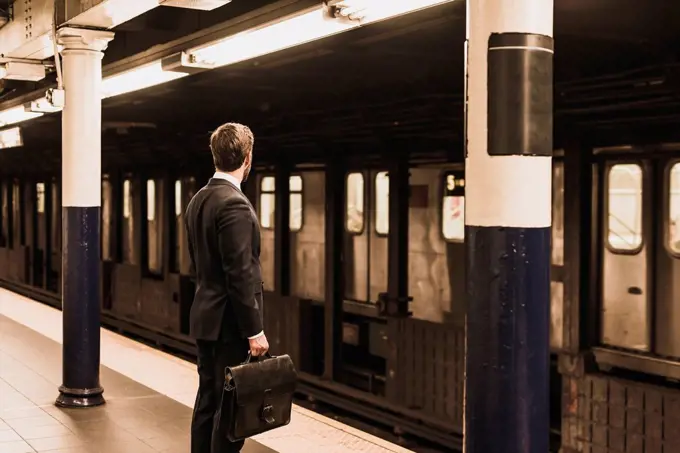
{"x": 16, "y": 115}
{"x": 139, "y": 78}
{"x": 306, "y": 26}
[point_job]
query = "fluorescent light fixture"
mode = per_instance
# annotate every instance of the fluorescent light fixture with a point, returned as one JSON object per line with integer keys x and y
{"x": 307, "y": 26}
{"x": 145, "y": 76}
{"x": 376, "y": 10}
{"x": 29, "y": 72}
{"x": 183, "y": 62}
{"x": 16, "y": 115}
{"x": 11, "y": 138}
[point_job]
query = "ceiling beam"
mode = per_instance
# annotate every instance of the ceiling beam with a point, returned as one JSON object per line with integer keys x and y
{"x": 29, "y": 34}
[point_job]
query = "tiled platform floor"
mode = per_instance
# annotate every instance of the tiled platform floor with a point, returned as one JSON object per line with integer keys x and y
{"x": 135, "y": 419}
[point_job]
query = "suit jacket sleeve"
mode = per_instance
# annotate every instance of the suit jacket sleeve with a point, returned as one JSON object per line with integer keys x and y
{"x": 192, "y": 262}
{"x": 235, "y": 230}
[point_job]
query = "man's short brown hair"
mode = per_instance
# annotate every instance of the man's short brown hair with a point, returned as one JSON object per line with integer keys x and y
{"x": 230, "y": 144}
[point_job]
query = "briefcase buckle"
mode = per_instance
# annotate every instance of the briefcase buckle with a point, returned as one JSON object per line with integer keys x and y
{"x": 268, "y": 414}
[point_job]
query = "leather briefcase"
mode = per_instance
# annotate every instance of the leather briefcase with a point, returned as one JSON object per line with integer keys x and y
{"x": 257, "y": 396}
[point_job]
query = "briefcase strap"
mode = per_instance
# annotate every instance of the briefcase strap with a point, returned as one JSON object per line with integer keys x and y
{"x": 257, "y": 358}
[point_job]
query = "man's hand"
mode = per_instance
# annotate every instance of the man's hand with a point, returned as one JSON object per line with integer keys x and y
{"x": 259, "y": 346}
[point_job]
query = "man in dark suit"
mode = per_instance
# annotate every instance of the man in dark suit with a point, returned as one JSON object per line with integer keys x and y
{"x": 224, "y": 246}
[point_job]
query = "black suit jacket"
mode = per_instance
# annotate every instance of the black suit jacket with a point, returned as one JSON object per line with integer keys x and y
{"x": 224, "y": 246}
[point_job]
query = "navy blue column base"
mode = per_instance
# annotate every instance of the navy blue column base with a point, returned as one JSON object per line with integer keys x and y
{"x": 508, "y": 321}
{"x": 81, "y": 304}
{"x": 75, "y": 398}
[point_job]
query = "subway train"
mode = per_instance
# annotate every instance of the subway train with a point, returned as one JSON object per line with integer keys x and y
{"x": 405, "y": 370}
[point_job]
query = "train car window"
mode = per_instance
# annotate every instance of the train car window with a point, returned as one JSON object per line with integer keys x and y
{"x": 624, "y": 231}
{"x": 453, "y": 207}
{"x": 354, "y": 222}
{"x": 267, "y": 200}
{"x": 40, "y": 197}
{"x": 296, "y": 208}
{"x": 154, "y": 225}
{"x": 674, "y": 209}
{"x": 107, "y": 195}
{"x": 382, "y": 203}
{"x": 129, "y": 254}
{"x": 558, "y": 214}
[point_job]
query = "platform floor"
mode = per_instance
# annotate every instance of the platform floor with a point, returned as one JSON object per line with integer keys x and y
{"x": 135, "y": 418}
{"x": 149, "y": 398}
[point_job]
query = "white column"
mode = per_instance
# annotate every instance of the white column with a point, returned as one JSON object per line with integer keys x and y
{"x": 82, "y": 52}
{"x": 509, "y": 116}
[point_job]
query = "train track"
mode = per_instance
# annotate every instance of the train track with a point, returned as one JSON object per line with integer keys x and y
{"x": 329, "y": 399}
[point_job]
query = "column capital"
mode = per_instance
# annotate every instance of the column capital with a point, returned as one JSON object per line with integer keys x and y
{"x": 71, "y": 38}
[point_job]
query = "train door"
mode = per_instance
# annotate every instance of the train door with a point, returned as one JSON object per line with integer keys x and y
{"x": 366, "y": 226}
{"x": 307, "y": 226}
{"x": 29, "y": 201}
{"x": 627, "y": 248}
{"x": 641, "y": 256}
{"x": 5, "y": 222}
{"x": 185, "y": 189}
{"x": 108, "y": 229}
{"x": 366, "y": 229}
{"x": 667, "y": 271}
{"x": 54, "y": 266}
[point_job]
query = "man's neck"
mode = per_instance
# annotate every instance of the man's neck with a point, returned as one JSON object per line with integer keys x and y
{"x": 237, "y": 175}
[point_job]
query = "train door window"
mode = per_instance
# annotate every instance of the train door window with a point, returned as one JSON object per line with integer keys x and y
{"x": 129, "y": 254}
{"x": 674, "y": 210}
{"x": 624, "y": 213}
{"x": 154, "y": 225}
{"x": 107, "y": 197}
{"x": 626, "y": 294}
{"x": 40, "y": 197}
{"x": 296, "y": 208}
{"x": 453, "y": 207}
{"x": 382, "y": 203}
{"x": 267, "y": 200}
{"x": 355, "y": 203}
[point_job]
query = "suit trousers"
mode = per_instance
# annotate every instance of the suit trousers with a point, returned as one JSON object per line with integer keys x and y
{"x": 213, "y": 358}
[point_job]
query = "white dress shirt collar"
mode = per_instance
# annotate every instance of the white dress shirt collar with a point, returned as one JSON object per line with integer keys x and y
{"x": 227, "y": 177}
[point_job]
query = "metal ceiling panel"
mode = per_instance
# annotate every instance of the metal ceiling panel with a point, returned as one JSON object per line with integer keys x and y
{"x": 103, "y": 14}
{"x": 28, "y": 35}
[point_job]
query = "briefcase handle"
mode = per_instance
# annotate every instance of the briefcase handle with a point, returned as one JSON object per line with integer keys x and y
{"x": 258, "y": 358}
